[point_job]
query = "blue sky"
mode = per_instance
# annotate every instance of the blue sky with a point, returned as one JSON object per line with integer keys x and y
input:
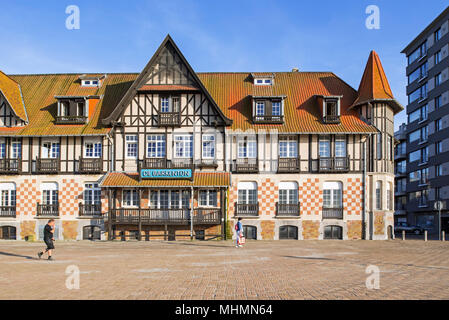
{"x": 226, "y": 35}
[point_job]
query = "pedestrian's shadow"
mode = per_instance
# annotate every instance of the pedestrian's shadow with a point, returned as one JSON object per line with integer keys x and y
{"x": 17, "y": 255}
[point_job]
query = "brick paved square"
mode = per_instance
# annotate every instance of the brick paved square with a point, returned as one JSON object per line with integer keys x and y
{"x": 218, "y": 270}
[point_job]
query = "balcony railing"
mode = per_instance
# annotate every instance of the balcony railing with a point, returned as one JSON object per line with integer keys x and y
{"x": 247, "y": 210}
{"x": 331, "y": 119}
{"x": 206, "y": 216}
{"x": 10, "y": 166}
{"x": 90, "y": 165}
{"x": 169, "y": 119}
{"x": 71, "y": 119}
{"x": 332, "y": 213}
{"x": 289, "y": 165}
{"x": 246, "y": 165}
{"x": 287, "y": 210}
{"x": 90, "y": 209}
{"x": 268, "y": 119}
{"x": 49, "y": 165}
{"x": 338, "y": 164}
{"x": 7, "y": 212}
{"x": 47, "y": 210}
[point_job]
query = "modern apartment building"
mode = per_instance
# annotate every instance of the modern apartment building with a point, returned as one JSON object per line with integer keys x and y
{"x": 400, "y": 172}
{"x": 428, "y": 123}
{"x": 172, "y": 154}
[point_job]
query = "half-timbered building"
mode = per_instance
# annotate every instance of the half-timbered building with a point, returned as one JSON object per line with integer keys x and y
{"x": 173, "y": 154}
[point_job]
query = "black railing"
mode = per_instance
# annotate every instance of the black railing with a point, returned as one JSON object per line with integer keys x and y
{"x": 71, "y": 119}
{"x": 247, "y": 210}
{"x": 90, "y": 165}
{"x": 327, "y": 164}
{"x": 90, "y": 209}
{"x": 49, "y": 165}
{"x": 287, "y": 210}
{"x": 332, "y": 213}
{"x": 10, "y": 166}
{"x": 247, "y": 165}
{"x": 268, "y": 119}
{"x": 47, "y": 210}
{"x": 331, "y": 119}
{"x": 169, "y": 119}
{"x": 163, "y": 163}
{"x": 7, "y": 212}
{"x": 289, "y": 165}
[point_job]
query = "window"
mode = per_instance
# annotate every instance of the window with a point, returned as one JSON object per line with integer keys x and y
{"x": 333, "y": 233}
{"x": 8, "y": 195}
{"x": 439, "y": 171}
{"x": 401, "y": 167}
{"x": 420, "y": 134}
{"x": 184, "y": 146}
{"x": 324, "y": 147}
{"x": 438, "y": 125}
{"x": 50, "y": 150}
{"x": 379, "y": 195}
{"x": 131, "y": 146}
{"x": 247, "y": 193}
{"x": 92, "y": 149}
{"x": 263, "y": 81}
{"x": 130, "y": 198}
{"x": 437, "y": 102}
{"x": 92, "y": 193}
{"x": 170, "y": 104}
{"x": 288, "y": 233}
{"x": 165, "y": 104}
{"x": 423, "y": 133}
{"x": 332, "y": 195}
{"x": 208, "y": 198}
{"x": 89, "y": 83}
{"x": 414, "y": 176}
{"x": 423, "y": 198}
{"x": 250, "y": 232}
{"x": 418, "y": 74}
{"x": 208, "y": 146}
{"x": 247, "y": 148}
{"x": 424, "y": 154}
{"x": 288, "y": 193}
{"x": 418, "y": 94}
{"x": 288, "y": 147}
{"x": 418, "y": 53}
{"x": 340, "y": 147}
{"x": 419, "y": 114}
{"x": 400, "y": 185}
{"x": 49, "y": 193}
{"x": 331, "y": 110}
{"x": 437, "y": 35}
{"x": 276, "y": 108}
{"x": 414, "y": 156}
{"x": 379, "y": 146}
{"x": 438, "y": 80}
{"x": 424, "y": 176}
{"x": 80, "y": 109}
{"x": 439, "y": 147}
{"x": 389, "y": 197}
{"x": 156, "y": 146}
{"x": 16, "y": 149}
{"x": 65, "y": 108}
{"x": 260, "y": 108}
{"x": 2, "y": 149}
{"x": 437, "y": 57}
{"x": 173, "y": 199}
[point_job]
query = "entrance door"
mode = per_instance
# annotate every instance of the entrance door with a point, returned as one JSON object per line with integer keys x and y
{"x": 333, "y": 232}
{"x": 8, "y": 233}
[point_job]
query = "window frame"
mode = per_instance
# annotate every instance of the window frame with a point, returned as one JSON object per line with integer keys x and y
{"x": 182, "y": 146}
{"x": 129, "y": 146}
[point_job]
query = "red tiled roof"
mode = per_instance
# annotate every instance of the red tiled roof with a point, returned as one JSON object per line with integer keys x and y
{"x": 12, "y": 93}
{"x": 162, "y": 87}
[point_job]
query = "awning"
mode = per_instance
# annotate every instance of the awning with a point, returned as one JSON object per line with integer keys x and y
{"x": 200, "y": 179}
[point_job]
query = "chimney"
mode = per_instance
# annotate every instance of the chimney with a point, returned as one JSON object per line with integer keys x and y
{"x": 295, "y": 70}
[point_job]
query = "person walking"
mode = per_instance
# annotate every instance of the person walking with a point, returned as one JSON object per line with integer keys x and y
{"x": 49, "y": 231}
{"x": 238, "y": 232}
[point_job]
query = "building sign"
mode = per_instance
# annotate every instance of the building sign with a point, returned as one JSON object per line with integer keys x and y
{"x": 166, "y": 173}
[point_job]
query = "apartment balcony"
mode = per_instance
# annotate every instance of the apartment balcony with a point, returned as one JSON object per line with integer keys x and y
{"x": 332, "y": 213}
{"x": 247, "y": 210}
{"x": 47, "y": 210}
{"x": 246, "y": 165}
{"x": 7, "y": 211}
{"x": 169, "y": 119}
{"x": 71, "y": 120}
{"x": 10, "y": 166}
{"x": 330, "y": 165}
{"x": 331, "y": 119}
{"x": 287, "y": 210}
{"x": 90, "y": 165}
{"x": 268, "y": 119}
{"x": 48, "y": 166}
{"x": 164, "y": 163}
{"x": 289, "y": 165}
{"x": 90, "y": 210}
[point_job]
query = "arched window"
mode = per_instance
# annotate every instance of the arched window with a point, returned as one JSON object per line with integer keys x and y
{"x": 7, "y": 199}
{"x": 288, "y": 233}
{"x": 333, "y": 232}
{"x": 8, "y": 233}
{"x": 379, "y": 195}
{"x": 389, "y": 196}
{"x": 250, "y": 232}
{"x": 332, "y": 194}
{"x": 247, "y": 203}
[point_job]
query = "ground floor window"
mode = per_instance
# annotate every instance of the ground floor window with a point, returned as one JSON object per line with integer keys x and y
{"x": 91, "y": 233}
{"x": 170, "y": 199}
{"x": 250, "y": 232}
{"x": 288, "y": 233}
{"x": 199, "y": 235}
{"x": 333, "y": 232}
{"x": 208, "y": 198}
{"x": 130, "y": 198}
{"x": 8, "y": 233}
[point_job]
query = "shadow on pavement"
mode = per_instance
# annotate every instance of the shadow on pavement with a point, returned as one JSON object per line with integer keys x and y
{"x": 17, "y": 255}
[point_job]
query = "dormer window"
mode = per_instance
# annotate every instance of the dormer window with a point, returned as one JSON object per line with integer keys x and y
{"x": 91, "y": 80}
{"x": 331, "y": 110}
{"x": 268, "y": 110}
{"x": 89, "y": 83}
{"x": 263, "y": 81}
{"x": 72, "y": 110}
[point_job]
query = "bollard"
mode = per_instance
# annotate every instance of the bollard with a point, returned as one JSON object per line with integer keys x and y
{"x": 403, "y": 234}
{"x": 425, "y": 235}
{"x": 443, "y": 235}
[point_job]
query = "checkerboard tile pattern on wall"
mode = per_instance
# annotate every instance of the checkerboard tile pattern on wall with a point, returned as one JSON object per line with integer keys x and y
{"x": 233, "y": 197}
{"x": 70, "y": 195}
{"x": 28, "y": 195}
{"x": 267, "y": 197}
{"x": 310, "y": 197}
{"x": 352, "y": 196}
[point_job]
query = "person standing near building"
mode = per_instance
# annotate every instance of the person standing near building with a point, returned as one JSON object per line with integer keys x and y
{"x": 49, "y": 231}
{"x": 238, "y": 232}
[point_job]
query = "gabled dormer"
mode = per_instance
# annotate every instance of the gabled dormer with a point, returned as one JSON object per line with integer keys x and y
{"x": 330, "y": 109}
{"x": 12, "y": 105}
{"x": 263, "y": 79}
{"x": 91, "y": 81}
{"x": 268, "y": 109}
{"x": 75, "y": 109}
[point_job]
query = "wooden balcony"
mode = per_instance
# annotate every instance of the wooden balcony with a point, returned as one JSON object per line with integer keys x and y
{"x": 90, "y": 210}
{"x": 90, "y": 165}
{"x": 332, "y": 213}
{"x": 47, "y": 210}
{"x": 71, "y": 120}
{"x": 331, "y": 119}
{"x": 48, "y": 166}
{"x": 164, "y": 163}
{"x": 289, "y": 165}
{"x": 7, "y": 212}
{"x": 169, "y": 119}
{"x": 268, "y": 119}
{"x": 330, "y": 165}
{"x": 246, "y": 210}
{"x": 10, "y": 166}
{"x": 164, "y": 216}
{"x": 287, "y": 210}
{"x": 246, "y": 165}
